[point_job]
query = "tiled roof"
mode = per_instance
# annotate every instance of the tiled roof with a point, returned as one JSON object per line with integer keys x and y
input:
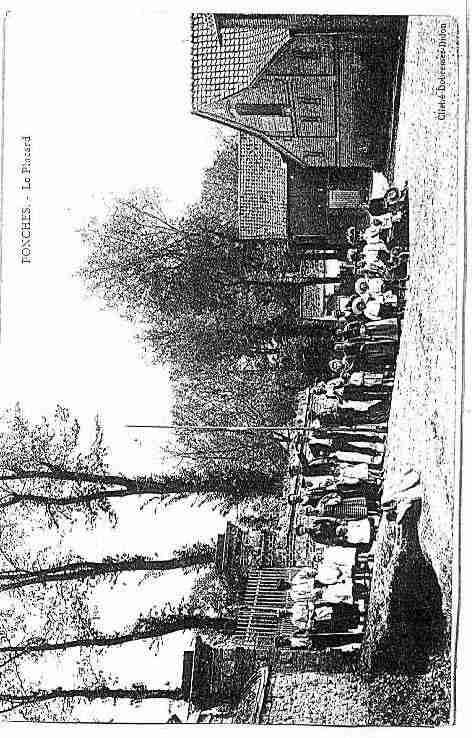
{"x": 230, "y": 50}
{"x": 262, "y": 190}
{"x": 225, "y": 61}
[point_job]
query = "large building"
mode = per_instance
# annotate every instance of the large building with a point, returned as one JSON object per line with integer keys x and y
{"x": 313, "y": 98}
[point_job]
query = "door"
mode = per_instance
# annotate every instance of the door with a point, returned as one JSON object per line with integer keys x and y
{"x": 307, "y": 201}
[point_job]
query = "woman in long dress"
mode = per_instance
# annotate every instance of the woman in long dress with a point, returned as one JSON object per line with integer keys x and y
{"x": 344, "y": 487}
{"x": 376, "y": 307}
{"x": 379, "y": 355}
{"x": 350, "y": 507}
{"x": 331, "y": 531}
{"x": 360, "y": 385}
{"x": 342, "y": 449}
{"x": 364, "y": 384}
{"x": 354, "y": 412}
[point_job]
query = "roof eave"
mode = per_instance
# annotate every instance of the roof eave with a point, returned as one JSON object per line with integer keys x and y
{"x": 257, "y": 134}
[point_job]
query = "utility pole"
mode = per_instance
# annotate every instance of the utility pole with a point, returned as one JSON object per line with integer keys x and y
{"x": 225, "y": 428}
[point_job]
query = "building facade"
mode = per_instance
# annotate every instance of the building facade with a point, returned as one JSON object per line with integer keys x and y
{"x": 313, "y": 98}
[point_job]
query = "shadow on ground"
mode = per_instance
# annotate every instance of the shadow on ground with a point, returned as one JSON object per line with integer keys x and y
{"x": 417, "y": 627}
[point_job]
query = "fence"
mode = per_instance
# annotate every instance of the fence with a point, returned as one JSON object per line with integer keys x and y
{"x": 259, "y": 620}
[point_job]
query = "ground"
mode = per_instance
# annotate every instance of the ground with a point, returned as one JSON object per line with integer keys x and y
{"x": 405, "y": 667}
{"x": 412, "y": 592}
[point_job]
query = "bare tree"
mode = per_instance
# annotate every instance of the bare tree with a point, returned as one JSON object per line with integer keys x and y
{"x": 43, "y": 465}
{"x": 153, "y": 628}
{"x": 196, "y": 557}
{"x": 136, "y": 693}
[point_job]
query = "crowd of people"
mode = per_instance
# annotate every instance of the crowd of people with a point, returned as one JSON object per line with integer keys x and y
{"x": 339, "y": 455}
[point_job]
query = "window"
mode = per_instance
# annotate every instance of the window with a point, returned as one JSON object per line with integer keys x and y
{"x": 344, "y": 199}
{"x": 311, "y": 101}
{"x": 260, "y": 109}
{"x": 313, "y": 55}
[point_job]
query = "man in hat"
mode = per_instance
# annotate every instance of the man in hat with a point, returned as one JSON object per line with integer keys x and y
{"x": 331, "y": 531}
{"x": 305, "y": 585}
{"x": 304, "y": 640}
{"x": 323, "y": 617}
{"x": 380, "y": 306}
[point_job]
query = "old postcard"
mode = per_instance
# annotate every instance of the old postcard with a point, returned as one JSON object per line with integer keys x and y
{"x": 232, "y": 281}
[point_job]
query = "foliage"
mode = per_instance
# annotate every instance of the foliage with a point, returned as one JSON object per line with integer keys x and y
{"x": 212, "y": 595}
{"x": 219, "y": 312}
{"x": 224, "y": 396}
{"x": 52, "y": 444}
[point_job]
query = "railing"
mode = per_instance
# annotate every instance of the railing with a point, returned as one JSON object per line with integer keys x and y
{"x": 259, "y": 613}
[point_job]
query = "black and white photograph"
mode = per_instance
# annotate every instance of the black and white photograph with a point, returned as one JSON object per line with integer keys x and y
{"x": 232, "y": 283}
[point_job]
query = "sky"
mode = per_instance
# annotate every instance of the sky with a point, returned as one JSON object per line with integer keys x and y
{"x": 105, "y": 98}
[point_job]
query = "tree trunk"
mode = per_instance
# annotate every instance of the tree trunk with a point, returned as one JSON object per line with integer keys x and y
{"x": 97, "y": 693}
{"x": 166, "y": 485}
{"x": 293, "y": 281}
{"x": 156, "y": 629}
{"x": 13, "y": 580}
{"x": 138, "y": 485}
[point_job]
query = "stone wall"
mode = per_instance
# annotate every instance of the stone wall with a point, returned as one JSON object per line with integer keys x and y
{"x": 222, "y": 671}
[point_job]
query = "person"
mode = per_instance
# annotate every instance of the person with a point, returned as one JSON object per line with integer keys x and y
{"x": 312, "y": 487}
{"x": 308, "y": 464}
{"x": 380, "y": 328}
{"x": 317, "y": 459}
{"x": 380, "y": 355}
{"x": 306, "y": 592}
{"x": 352, "y": 237}
{"x": 358, "y": 474}
{"x": 336, "y": 617}
{"x": 353, "y": 412}
{"x": 377, "y": 206}
{"x": 327, "y": 618}
{"x": 304, "y": 640}
{"x": 331, "y": 531}
{"x": 319, "y": 468}
{"x": 367, "y": 385}
{"x": 303, "y": 605}
{"x": 333, "y": 504}
{"x": 316, "y": 485}
{"x": 361, "y": 329}
{"x": 347, "y": 432}
{"x": 349, "y": 412}
{"x": 369, "y": 286}
{"x": 344, "y": 486}
{"x": 356, "y": 414}
{"x": 299, "y": 613}
{"x": 358, "y": 385}
{"x": 381, "y": 306}
{"x": 375, "y": 250}
{"x": 374, "y": 268}
{"x": 306, "y": 584}
{"x": 386, "y": 221}
{"x": 328, "y": 387}
{"x": 339, "y": 365}
{"x": 361, "y": 455}
{"x": 339, "y": 446}
{"x": 391, "y": 202}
